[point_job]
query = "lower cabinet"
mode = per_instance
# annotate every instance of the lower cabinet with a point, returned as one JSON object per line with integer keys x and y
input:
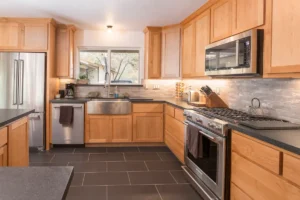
{"x": 148, "y": 127}
{"x": 108, "y": 129}
{"x": 3, "y": 156}
{"x": 18, "y": 148}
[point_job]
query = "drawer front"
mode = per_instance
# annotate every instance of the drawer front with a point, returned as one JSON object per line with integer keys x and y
{"x": 179, "y": 115}
{"x": 148, "y": 108}
{"x": 291, "y": 168}
{"x": 175, "y": 128}
{"x": 169, "y": 110}
{"x": 237, "y": 194}
{"x": 256, "y": 152}
{"x": 176, "y": 147}
{"x": 259, "y": 183}
{"x": 3, "y": 136}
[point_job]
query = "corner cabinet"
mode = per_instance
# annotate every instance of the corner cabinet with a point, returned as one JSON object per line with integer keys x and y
{"x": 65, "y": 51}
{"x": 153, "y": 48}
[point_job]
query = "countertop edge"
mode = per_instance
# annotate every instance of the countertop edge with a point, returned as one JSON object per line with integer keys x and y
{"x": 7, "y": 122}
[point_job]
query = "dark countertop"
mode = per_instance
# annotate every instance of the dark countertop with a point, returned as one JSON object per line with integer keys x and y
{"x": 172, "y": 101}
{"x": 34, "y": 183}
{"x": 8, "y": 116}
{"x": 285, "y": 139}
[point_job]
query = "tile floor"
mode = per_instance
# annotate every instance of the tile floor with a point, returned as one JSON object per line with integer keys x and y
{"x": 120, "y": 173}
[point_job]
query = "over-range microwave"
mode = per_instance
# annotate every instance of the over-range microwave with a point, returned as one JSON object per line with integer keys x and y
{"x": 239, "y": 55}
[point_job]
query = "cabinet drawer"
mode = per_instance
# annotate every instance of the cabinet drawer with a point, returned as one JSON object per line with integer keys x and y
{"x": 148, "y": 108}
{"x": 179, "y": 115}
{"x": 176, "y": 147}
{"x": 291, "y": 170}
{"x": 169, "y": 110}
{"x": 175, "y": 128}
{"x": 237, "y": 194}
{"x": 259, "y": 183}
{"x": 262, "y": 155}
{"x": 3, "y": 136}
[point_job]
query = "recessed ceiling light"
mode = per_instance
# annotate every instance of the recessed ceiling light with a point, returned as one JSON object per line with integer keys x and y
{"x": 109, "y": 28}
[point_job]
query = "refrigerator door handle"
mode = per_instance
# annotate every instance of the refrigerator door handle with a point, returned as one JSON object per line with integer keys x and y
{"x": 21, "y": 82}
{"x": 35, "y": 118}
{"x": 15, "y": 83}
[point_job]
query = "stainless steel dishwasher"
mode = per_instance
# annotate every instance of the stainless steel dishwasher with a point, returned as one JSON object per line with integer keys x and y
{"x": 72, "y": 134}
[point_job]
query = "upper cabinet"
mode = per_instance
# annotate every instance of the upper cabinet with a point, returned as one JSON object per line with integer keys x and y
{"x": 188, "y": 52}
{"x": 247, "y": 14}
{"x": 65, "y": 51}
{"x": 171, "y": 51}
{"x": 153, "y": 49}
{"x": 221, "y": 13}
{"x": 24, "y": 34}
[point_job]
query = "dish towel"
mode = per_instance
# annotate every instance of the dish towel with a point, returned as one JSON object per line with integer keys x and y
{"x": 194, "y": 142}
{"x": 66, "y": 115}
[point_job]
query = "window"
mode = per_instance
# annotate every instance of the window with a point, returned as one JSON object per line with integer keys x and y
{"x": 121, "y": 66}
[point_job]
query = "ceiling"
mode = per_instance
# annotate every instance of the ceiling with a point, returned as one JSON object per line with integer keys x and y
{"x": 131, "y": 15}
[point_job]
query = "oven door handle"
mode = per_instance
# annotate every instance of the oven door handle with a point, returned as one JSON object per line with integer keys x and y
{"x": 209, "y": 136}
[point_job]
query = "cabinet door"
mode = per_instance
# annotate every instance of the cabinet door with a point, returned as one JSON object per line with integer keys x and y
{"x": 221, "y": 20}
{"x": 10, "y": 34}
{"x": 154, "y": 65}
{"x": 99, "y": 129}
{"x": 247, "y": 14}
{"x": 171, "y": 52}
{"x": 188, "y": 50}
{"x": 285, "y": 37}
{"x": 3, "y": 156}
{"x": 18, "y": 149}
{"x": 35, "y": 36}
{"x": 148, "y": 127}
{"x": 121, "y": 128}
{"x": 202, "y": 24}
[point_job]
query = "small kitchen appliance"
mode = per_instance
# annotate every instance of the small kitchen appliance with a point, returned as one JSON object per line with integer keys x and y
{"x": 70, "y": 91}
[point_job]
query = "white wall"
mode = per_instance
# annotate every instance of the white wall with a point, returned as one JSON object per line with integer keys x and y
{"x": 98, "y": 39}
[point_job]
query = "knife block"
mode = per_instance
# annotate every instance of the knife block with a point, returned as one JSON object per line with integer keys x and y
{"x": 214, "y": 101}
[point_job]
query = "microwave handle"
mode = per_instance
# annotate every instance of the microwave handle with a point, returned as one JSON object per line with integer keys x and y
{"x": 206, "y": 135}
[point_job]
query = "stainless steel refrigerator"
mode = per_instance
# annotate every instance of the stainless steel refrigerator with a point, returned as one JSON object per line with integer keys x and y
{"x": 22, "y": 86}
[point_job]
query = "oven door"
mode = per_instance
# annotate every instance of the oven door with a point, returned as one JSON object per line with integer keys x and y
{"x": 210, "y": 168}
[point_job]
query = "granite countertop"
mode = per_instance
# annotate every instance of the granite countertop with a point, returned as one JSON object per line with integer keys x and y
{"x": 285, "y": 139}
{"x": 172, "y": 101}
{"x": 8, "y": 116}
{"x": 34, "y": 183}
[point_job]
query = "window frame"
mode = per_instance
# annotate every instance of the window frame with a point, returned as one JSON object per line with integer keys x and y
{"x": 109, "y": 50}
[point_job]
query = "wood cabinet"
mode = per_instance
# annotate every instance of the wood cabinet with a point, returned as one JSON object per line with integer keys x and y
{"x": 10, "y": 35}
{"x": 18, "y": 148}
{"x": 153, "y": 48}
{"x": 148, "y": 108}
{"x": 237, "y": 194}
{"x": 65, "y": 51}
{"x": 247, "y": 14}
{"x": 148, "y": 127}
{"x": 221, "y": 14}
{"x": 108, "y": 129}
{"x": 35, "y": 36}
{"x": 3, "y": 147}
{"x": 188, "y": 49}
{"x": 171, "y": 39}
{"x": 291, "y": 170}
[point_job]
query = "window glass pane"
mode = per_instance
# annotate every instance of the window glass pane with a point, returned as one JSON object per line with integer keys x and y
{"x": 125, "y": 66}
{"x": 93, "y": 65}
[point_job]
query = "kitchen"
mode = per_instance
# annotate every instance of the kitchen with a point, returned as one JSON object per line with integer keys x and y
{"x": 200, "y": 102}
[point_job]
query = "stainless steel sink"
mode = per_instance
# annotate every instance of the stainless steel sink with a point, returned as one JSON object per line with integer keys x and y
{"x": 109, "y": 106}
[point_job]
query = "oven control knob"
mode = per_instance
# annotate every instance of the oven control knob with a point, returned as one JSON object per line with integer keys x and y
{"x": 211, "y": 125}
{"x": 199, "y": 120}
{"x": 219, "y": 128}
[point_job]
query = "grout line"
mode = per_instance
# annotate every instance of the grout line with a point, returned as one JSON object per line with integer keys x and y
{"x": 173, "y": 177}
{"x": 89, "y": 157}
{"x": 124, "y": 157}
{"x": 146, "y": 166}
{"x": 106, "y": 188}
{"x": 158, "y": 192}
{"x": 128, "y": 178}
{"x": 139, "y": 149}
{"x": 159, "y": 156}
{"x": 74, "y": 150}
{"x": 106, "y": 166}
{"x": 52, "y": 159}
{"x": 83, "y": 179}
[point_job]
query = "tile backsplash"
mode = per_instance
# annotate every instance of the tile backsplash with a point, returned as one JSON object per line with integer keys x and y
{"x": 279, "y": 97}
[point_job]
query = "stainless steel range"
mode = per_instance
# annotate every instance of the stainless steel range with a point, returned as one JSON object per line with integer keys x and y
{"x": 207, "y": 128}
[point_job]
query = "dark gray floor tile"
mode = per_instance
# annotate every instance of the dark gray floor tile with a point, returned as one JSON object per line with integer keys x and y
{"x": 89, "y": 167}
{"x": 126, "y": 166}
{"x": 167, "y": 156}
{"x": 136, "y": 192}
{"x": 106, "y": 178}
{"x": 179, "y": 176}
{"x": 91, "y": 150}
{"x": 141, "y": 156}
{"x": 40, "y": 158}
{"x": 122, "y": 149}
{"x": 154, "y": 149}
{"x": 150, "y": 178}
{"x": 77, "y": 179}
{"x": 106, "y": 157}
{"x": 163, "y": 165}
{"x": 178, "y": 192}
{"x": 87, "y": 193}
{"x": 48, "y": 164}
{"x": 70, "y": 158}
{"x": 60, "y": 150}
